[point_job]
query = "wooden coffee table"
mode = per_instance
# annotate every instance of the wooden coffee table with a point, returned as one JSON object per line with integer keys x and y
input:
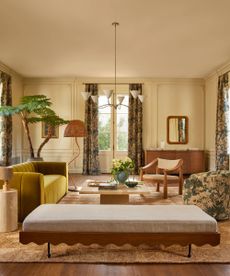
{"x": 118, "y": 196}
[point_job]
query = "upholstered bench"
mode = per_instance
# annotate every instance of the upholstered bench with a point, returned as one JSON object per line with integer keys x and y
{"x": 119, "y": 224}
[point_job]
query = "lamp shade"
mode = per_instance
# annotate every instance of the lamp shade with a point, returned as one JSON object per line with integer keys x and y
{"x": 134, "y": 93}
{"x": 75, "y": 128}
{"x": 6, "y": 173}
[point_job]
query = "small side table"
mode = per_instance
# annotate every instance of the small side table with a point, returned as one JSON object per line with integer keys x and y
{"x": 8, "y": 210}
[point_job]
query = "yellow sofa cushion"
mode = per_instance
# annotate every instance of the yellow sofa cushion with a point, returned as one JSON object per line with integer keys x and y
{"x": 54, "y": 188}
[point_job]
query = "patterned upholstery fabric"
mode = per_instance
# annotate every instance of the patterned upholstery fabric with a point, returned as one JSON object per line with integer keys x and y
{"x": 210, "y": 191}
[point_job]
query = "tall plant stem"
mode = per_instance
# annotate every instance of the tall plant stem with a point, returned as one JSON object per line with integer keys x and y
{"x": 46, "y": 140}
{"x": 27, "y": 131}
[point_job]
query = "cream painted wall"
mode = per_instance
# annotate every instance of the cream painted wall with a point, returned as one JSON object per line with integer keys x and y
{"x": 17, "y": 92}
{"x": 181, "y": 100}
{"x": 163, "y": 97}
{"x": 211, "y": 86}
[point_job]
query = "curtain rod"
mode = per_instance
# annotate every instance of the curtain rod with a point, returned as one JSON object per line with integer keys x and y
{"x": 118, "y": 83}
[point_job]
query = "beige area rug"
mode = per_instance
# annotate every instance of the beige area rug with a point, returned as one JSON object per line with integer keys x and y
{"x": 12, "y": 251}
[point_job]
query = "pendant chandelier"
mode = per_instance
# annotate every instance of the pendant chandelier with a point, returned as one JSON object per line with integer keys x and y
{"x": 109, "y": 93}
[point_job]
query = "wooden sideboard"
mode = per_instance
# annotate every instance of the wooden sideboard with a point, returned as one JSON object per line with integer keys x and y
{"x": 194, "y": 160}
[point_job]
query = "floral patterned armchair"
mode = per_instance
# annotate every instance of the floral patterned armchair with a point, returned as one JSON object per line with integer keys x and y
{"x": 210, "y": 191}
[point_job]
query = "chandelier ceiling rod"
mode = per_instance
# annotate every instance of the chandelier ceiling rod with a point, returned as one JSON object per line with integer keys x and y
{"x": 115, "y": 24}
{"x": 108, "y": 93}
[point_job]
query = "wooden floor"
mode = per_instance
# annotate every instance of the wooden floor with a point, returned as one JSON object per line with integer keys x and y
{"x": 64, "y": 269}
{"x": 114, "y": 270}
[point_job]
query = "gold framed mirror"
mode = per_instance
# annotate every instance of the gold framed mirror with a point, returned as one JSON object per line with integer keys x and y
{"x": 177, "y": 130}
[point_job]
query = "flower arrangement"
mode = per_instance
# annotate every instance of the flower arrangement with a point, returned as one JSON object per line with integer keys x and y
{"x": 119, "y": 166}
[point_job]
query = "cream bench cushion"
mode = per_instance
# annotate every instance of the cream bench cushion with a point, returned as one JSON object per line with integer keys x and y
{"x": 119, "y": 219}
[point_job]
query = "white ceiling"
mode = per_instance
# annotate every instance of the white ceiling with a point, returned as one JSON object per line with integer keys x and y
{"x": 156, "y": 38}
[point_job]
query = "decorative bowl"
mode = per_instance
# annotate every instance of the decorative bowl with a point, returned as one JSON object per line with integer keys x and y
{"x": 131, "y": 184}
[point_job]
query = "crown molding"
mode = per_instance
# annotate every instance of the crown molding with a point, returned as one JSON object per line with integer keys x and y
{"x": 146, "y": 81}
{"x": 219, "y": 71}
{"x": 9, "y": 71}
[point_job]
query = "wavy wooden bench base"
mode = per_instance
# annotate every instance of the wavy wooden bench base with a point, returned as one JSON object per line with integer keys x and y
{"x": 135, "y": 239}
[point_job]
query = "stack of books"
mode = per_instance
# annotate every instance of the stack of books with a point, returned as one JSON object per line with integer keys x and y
{"x": 107, "y": 186}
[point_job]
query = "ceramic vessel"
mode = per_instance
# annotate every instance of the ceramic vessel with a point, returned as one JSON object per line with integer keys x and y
{"x": 121, "y": 177}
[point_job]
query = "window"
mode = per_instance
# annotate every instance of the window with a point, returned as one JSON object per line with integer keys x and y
{"x": 104, "y": 125}
{"x": 109, "y": 136}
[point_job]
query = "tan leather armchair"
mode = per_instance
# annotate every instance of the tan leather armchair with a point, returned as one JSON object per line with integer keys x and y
{"x": 167, "y": 172}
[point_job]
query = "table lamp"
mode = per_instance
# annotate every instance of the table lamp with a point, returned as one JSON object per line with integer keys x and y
{"x": 5, "y": 174}
{"x": 75, "y": 128}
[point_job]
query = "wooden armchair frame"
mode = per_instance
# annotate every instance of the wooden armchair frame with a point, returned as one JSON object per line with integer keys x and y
{"x": 165, "y": 172}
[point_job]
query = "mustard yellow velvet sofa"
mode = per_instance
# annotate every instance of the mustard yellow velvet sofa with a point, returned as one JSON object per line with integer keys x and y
{"x": 38, "y": 183}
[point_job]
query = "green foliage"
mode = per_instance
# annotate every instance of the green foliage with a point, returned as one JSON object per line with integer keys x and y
{"x": 104, "y": 135}
{"x": 122, "y": 165}
{"x": 54, "y": 120}
{"x": 35, "y": 103}
{"x": 34, "y": 109}
{"x": 8, "y": 110}
{"x": 122, "y": 141}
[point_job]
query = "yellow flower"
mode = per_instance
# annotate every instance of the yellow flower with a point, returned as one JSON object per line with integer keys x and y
{"x": 127, "y": 159}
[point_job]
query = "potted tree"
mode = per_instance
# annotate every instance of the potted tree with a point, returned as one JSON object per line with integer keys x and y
{"x": 34, "y": 109}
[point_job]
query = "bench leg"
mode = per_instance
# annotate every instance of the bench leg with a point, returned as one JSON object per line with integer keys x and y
{"x": 189, "y": 251}
{"x": 48, "y": 248}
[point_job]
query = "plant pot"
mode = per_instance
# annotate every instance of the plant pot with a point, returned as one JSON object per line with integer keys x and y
{"x": 30, "y": 159}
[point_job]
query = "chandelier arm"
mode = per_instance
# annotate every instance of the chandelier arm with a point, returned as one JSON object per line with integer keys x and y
{"x": 117, "y": 105}
{"x": 105, "y": 105}
{"x": 112, "y": 105}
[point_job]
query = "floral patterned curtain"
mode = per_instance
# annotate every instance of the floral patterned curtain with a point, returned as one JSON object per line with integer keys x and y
{"x": 222, "y": 124}
{"x": 91, "y": 149}
{"x": 5, "y": 122}
{"x": 135, "y": 147}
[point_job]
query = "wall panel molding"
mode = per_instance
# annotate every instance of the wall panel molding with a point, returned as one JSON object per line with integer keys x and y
{"x": 152, "y": 90}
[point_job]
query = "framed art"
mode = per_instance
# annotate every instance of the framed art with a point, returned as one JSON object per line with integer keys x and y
{"x": 55, "y": 130}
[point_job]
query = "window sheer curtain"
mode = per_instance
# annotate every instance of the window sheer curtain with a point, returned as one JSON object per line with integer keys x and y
{"x": 135, "y": 144}
{"x": 91, "y": 149}
{"x": 5, "y": 122}
{"x": 222, "y": 123}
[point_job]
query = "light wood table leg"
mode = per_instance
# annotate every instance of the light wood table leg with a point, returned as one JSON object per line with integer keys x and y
{"x": 114, "y": 199}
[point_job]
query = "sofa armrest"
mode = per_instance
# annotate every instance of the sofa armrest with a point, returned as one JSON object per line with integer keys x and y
{"x": 53, "y": 168}
{"x": 30, "y": 187}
